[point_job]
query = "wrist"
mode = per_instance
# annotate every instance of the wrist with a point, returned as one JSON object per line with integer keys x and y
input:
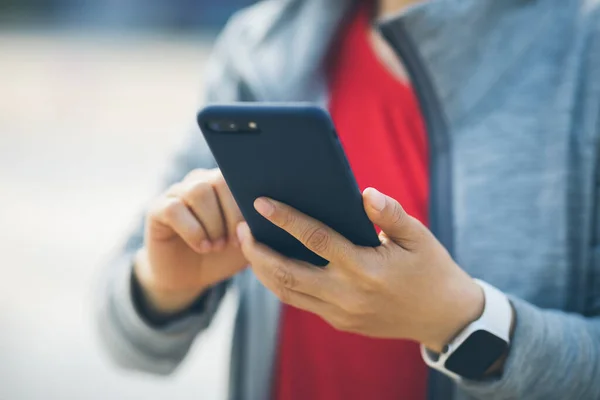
{"x": 464, "y": 306}
{"x": 158, "y": 300}
{"x": 481, "y": 347}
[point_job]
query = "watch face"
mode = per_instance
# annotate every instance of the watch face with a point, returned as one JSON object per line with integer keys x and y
{"x": 476, "y": 354}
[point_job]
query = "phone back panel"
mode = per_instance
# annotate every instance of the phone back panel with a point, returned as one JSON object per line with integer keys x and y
{"x": 296, "y": 158}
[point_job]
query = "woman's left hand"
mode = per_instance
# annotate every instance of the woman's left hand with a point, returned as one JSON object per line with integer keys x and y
{"x": 409, "y": 287}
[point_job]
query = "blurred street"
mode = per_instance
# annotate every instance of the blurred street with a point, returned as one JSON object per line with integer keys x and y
{"x": 86, "y": 127}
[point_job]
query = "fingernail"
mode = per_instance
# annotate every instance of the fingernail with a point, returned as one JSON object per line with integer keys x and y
{"x": 264, "y": 207}
{"x": 376, "y": 198}
{"x": 205, "y": 246}
{"x": 242, "y": 231}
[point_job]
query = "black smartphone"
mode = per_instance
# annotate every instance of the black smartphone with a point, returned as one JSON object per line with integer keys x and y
{"x": 290, "y": 153}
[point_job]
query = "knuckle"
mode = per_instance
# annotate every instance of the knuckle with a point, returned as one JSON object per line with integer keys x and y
{"x": 199, "y": 191}
{"x": 171, "y": 209}
{"x": 284, "y": 278}
{"x": 217, "y": 177}
{"x": 283, "y": 294}
{"x": 220, "y": 185}
{"x": 317, "y": 239}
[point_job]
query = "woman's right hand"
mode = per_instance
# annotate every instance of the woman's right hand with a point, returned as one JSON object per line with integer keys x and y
{"x": 190, "y": 242}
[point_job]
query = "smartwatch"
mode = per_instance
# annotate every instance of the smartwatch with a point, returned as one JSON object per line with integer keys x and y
{"x": 477, "y": 347}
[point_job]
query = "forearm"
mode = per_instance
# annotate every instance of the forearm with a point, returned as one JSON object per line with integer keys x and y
{"x": 552, "y": 355}
{"x": 130, "y": 340}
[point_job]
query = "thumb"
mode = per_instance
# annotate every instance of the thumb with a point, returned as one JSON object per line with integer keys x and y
{"x": 389, "y": 215}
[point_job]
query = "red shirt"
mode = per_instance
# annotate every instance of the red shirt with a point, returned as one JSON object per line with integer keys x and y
{"x": 379, "y": 124}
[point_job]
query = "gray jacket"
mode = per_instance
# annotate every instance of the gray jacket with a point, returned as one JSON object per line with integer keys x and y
{"x": 510, "y": 92}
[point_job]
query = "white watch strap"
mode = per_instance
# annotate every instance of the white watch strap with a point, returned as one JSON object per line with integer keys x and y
{"x": 496, "y": 318}
{"x": 497, "y": 312}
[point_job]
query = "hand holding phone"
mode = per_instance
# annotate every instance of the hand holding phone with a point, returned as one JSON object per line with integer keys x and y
{"x": 290, "y": 153}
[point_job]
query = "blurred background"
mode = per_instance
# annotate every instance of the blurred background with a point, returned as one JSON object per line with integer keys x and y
{"x": 94, "y": 97}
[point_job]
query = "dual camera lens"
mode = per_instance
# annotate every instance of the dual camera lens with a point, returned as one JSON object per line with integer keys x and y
{"x": 232, "y": 126}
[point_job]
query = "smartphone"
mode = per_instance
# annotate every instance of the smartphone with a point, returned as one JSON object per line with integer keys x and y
{"x": 290, "y": 153}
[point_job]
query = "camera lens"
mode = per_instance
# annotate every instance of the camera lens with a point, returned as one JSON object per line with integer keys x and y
{"x": 222, "y": 126}
{"x": 214, "y": 126}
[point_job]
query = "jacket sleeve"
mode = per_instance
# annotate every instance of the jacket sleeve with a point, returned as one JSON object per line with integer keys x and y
{"x": 553, "y": 355}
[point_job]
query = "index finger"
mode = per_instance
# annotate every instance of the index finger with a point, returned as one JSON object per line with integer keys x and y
{"x": 313, "y": 234}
